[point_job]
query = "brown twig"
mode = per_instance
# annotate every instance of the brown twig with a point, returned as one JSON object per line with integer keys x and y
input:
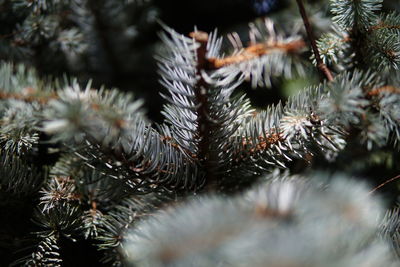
{"x": 255, "y": 51}
{"x": 29, "y": 95}
{"x": 320, "y": 64}
{"x": 387, "y": 88}
{"x": 382, "y": 25}
{"x": 382, "y": 184}
{"x": 262, "y": 143}
{"x": 204, "y": 126}
{"x": 250, "y": 147}
{"x": 170, "y": 141}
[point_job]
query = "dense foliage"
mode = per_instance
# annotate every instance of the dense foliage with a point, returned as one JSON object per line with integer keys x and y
{"x": 244, "y": 167}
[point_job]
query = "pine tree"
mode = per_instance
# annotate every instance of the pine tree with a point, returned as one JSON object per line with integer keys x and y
{"x": 87, "y": 178}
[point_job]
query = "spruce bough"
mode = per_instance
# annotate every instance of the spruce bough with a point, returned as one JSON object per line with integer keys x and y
{"x": 217, "y": 182}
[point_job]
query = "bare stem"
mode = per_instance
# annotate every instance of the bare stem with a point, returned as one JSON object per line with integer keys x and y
{"x": 384, "y": 183}
{"x": 320, "y": 64}
{"x": 205, "y": 126}
{"x": 256, "y": 50}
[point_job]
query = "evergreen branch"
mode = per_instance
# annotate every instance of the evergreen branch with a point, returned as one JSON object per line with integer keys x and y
{"x": 335, "y": 49}
{"x": 389, "y": 229}
{"x": 21, "y": 81}
{"x": 346, "y": 100}
{"x": 332, "y": 44}
{"x": 18, "y": 176}
{"x": 59, "y": 190}
{"x": 62, "y": 221}
{"x": 323, "y": 116}
{"x": 355, "y": 15}
{"x": 93, "y": 219}
{"x": 383, "y": 49}
{"x": 72, "y": 114}
{"x": 19, "y": 129}
{"x": 201, "y": 114}
{"x": 111, "y": 232}
{"x": 85, "y": 184}
{"x": 388, "y": 105}
{"x": 121, "y": 143}
{"x": 46, "y": 254}
{"x": 258, "y": 227}
{"x": 374, "y": 41}
{"x": 265, "y": 136}
{"x": 269, "y": 55}
{"x": 387, "y": 22}
{"x": 279, "y": 135}
{"x": 116, "y": 168}
{"x": 72, "y": 103}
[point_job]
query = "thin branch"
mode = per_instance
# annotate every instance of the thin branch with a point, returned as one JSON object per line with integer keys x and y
{"x": 204, "y": 125}
{"x": 29, "y": 96}
{"x": 382, "y": 184}
{"x": 383, "y": 25}
{"x": 387, "y": 88}
{"x": 255, "y": 51}
{"x": 262, "y": 143}
{"x": 332, "y": 44}
{"x": 170, "y": 141}
{"x": 320, "y": 64}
